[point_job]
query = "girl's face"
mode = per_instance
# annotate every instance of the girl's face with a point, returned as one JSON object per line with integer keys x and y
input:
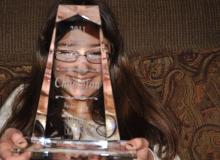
{"x": 77, "y": 66}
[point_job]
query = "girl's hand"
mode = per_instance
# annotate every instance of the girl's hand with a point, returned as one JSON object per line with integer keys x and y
{"x": 11, "y": 140}
{"x": 141, "y": 146}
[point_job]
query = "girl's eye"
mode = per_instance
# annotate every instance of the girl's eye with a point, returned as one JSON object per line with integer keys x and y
{"x": 95, "y": 53}
{"x": 71, "y": 54}
{"x": 67, "y": 53}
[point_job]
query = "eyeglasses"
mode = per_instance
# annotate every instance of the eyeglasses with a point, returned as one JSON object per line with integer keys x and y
{"x": 72, "y": 56}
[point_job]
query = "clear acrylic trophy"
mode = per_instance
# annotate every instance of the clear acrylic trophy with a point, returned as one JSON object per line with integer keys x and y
{"x": 76, "y": 117}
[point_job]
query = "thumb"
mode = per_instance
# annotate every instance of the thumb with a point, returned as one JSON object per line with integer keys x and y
{"x": 19, "y": 140}
{"x": 15, "y": 137}
{"x": 137, "y": 144}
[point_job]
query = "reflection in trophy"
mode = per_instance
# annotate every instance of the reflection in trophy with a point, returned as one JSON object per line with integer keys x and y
{"x": 76, "y": 115}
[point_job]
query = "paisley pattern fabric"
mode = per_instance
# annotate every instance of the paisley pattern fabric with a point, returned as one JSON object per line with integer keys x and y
{"x": 188, "y": 85}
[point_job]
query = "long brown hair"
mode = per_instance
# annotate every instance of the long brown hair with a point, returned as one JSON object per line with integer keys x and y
{"x": 138, "y": 114}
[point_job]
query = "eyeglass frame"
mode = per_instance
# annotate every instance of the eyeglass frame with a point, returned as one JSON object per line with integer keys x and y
{"x": 78, "y": 55}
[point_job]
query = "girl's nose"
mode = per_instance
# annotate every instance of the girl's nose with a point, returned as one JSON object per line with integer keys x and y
{"x": 82, "y": 65}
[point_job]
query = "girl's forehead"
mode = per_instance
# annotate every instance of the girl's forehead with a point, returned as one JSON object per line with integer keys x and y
{"x": 78, "y": 38}
{"x": 85, "y": 26}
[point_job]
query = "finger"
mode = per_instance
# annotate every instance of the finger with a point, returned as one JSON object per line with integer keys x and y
{"x": 5, "y": 150}
{"x": 142, "y": 154}
{"x": 144, "y": 143}
{"x": 7, "y": 153}
{"x": 59, "y": 156}
{"x": 19, "y": 140}
{"x": 75, "y": 155}
{"x": 8, "y": 133}
{"x": 141, "y": 147}
{"x": 24, "y": 156}
{"x": 93, "y": 157}
{"x": 137, "y": 144}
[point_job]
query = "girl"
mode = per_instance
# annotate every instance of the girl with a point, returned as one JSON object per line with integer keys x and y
{"x": 137, "y": 112}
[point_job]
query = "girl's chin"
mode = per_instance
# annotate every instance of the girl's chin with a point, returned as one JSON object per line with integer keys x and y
{"x": 81, "y": 94}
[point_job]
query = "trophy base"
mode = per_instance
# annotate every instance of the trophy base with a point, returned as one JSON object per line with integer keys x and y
{"x": 53, "y": 149}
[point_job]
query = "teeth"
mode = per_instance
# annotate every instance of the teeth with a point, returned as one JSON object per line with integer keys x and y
{"x": 81, "y": 80}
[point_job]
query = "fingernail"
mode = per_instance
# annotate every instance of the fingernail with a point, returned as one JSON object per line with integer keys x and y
{"x": 22, "y": 141}
{"x": 22, "y": 144}
{"x": 129, "y": 146}
{"x": 19, "y": 141}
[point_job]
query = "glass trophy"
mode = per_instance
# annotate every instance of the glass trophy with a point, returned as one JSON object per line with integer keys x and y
{"x": 76, "y": 116}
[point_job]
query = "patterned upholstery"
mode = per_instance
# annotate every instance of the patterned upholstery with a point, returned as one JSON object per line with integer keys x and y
{"x": 188, "y": 82}
{"x": 189, "y": 86}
